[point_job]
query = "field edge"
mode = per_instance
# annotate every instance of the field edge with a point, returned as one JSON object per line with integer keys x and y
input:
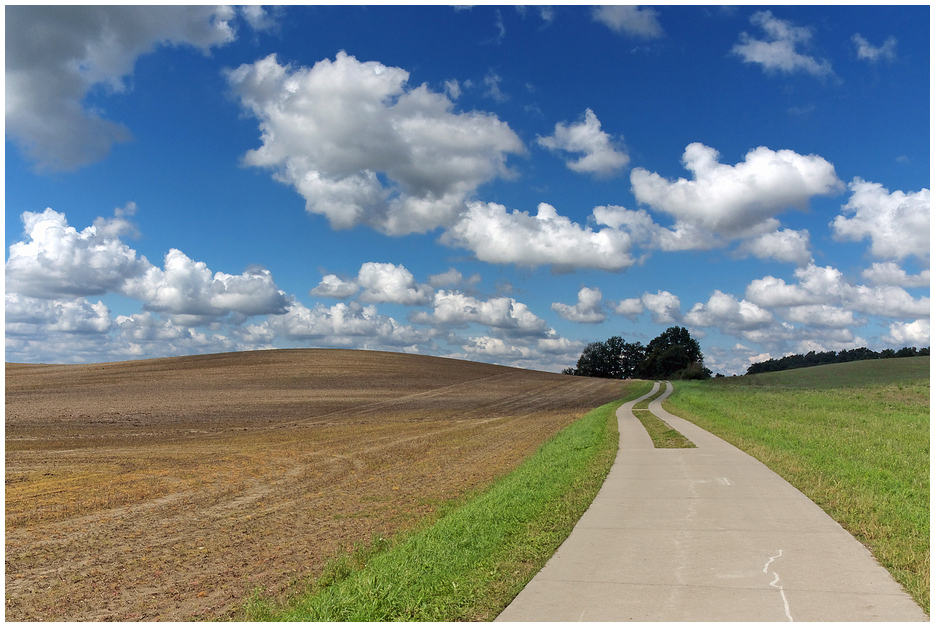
{"x": 474, "y": 587}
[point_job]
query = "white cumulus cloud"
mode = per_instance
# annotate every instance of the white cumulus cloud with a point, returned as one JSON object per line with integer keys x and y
{"x": 363, "y": 147}
{"x": 599, "y": 156}
{"x": 827, "y": 286}
{"x": 56, "y": 260}
{"x": 344, "y": 324}
{"x": 783, "y": 245}
{"x": 664, "y": 307}
{"x": 389, "y": 283}
{"x": 588, "y": 309}
{"x": 916, "y": 333}
{"x": 782, "y": 49}
{"x": 726, "y": 312}
{"x": 189, "y": 290}
{"x": 29, "y": 316}
{"x": 738, "y": 200}
{"x": 889, "y": 273}
{"x": 455, "y": 309}
{"x": 547, "y": 238}
{"x": 897, "y": 223}
{"x": 333, "y": 286}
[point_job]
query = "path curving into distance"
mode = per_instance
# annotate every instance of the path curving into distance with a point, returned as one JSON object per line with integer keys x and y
{"x": 706, "y": 534}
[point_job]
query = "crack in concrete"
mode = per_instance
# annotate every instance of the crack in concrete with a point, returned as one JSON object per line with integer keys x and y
{"x": 775, "y": 584}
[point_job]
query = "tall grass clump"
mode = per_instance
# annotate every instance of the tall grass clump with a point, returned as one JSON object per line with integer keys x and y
{"x": 853, "y": 439}
{"x": 474, "y": 560}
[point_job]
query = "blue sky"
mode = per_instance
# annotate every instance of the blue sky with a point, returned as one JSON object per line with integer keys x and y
{"x": 500, "y": 184}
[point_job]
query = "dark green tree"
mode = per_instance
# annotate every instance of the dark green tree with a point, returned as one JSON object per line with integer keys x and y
{"x": 674, "y": 354}
{"x": 613, "y": 358}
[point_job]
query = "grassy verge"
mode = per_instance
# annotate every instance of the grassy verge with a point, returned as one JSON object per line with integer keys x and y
{"x": 662, "y": 435}
{"x": 852, "y": 438}
{"x": 474, "y": 560}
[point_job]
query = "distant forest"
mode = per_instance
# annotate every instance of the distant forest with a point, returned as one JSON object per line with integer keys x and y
{"x": 817, "y": 359}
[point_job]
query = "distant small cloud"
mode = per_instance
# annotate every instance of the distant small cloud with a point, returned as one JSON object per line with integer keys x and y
{"x": 453, "y": 277}
{"x": 869, "y": 52}
{"x": 779, "y": 50}
{"x": 902, "y": 159}
{"x": 332, "y": 286}
{"x": 492, "y": 82}
{"x": 599, "y": 156}
{"x": 453, "y": 89}
{"x": 803, "y": 110}
{"x": 630, "y": 20}
{"x": 587, "y": 310}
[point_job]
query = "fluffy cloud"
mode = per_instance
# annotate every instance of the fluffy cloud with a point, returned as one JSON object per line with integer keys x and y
{"x": 56, "y": 260}
{"x": 56, "y": 54}
{"x": 548, "y": 353}
{"x": 188, "y": 290}
{"x": 452, "y": 277}
{"x": 495, "y": 347}
{"x": 29, "y": 316}
{"x": 344, "y": 325}
{"x": 665, "y": 307}
{"x": 917, "y": 333}
{"x": 631, "y": 20}
{"x": 630, "y": 308}
{"x": 822, "y": 316}
{"x": 827, "y": 286}
{"x": 897, "y": 223}
{"x": 726, "y": 312}
{"x": 785, "y": 245}
{"x": 389, "y": 283}
{"x": 598, "y": 154}
{"x": 874, "y": 53}
{"x": 334, "y": 287}
{"x": 455, "y": 309}
{"x": 78, "y": 330}
{"x": 779, "y": 51}
{"x": 889, "y": 273}
{"x": 588, "y": 308}
{"x": 381, "y": 283}
{"x": 739, "y": 200}
{"x": 547, "y": 238}
{"x": 331, "y": 131}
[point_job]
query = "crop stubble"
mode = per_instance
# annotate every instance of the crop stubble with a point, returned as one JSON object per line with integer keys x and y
{"x": 169, "y": 489}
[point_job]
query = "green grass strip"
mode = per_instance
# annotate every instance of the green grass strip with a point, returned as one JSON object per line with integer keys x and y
{"x": 857, "y": 447}
{"x": 663, "y": 436}
{"x": 473, "y": 561}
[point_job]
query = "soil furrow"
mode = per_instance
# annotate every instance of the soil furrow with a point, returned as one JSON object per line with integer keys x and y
{"x": 170, "y": 489}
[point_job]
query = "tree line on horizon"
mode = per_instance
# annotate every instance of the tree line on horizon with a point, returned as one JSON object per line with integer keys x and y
{"x": 675, "y": 354}
{"x": 812, "y": 358}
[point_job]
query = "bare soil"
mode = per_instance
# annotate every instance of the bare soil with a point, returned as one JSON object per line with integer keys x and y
{"x": 170, "y": 489}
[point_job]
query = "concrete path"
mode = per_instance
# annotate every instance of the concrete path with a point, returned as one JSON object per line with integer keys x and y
{"x": 706, "y": 534}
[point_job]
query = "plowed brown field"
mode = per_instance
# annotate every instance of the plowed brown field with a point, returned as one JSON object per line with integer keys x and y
{"x": 170, "y": 489}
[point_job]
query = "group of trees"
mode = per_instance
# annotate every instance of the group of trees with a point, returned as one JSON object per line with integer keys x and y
{"x": 672, "y": 355}
{"x": 830, "y": 357}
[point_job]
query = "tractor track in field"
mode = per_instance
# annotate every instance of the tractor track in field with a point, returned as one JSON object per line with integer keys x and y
{"x": 171, "y": 489}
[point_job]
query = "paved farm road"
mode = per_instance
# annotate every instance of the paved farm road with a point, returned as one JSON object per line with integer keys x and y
{"x": 706, "y": 534}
